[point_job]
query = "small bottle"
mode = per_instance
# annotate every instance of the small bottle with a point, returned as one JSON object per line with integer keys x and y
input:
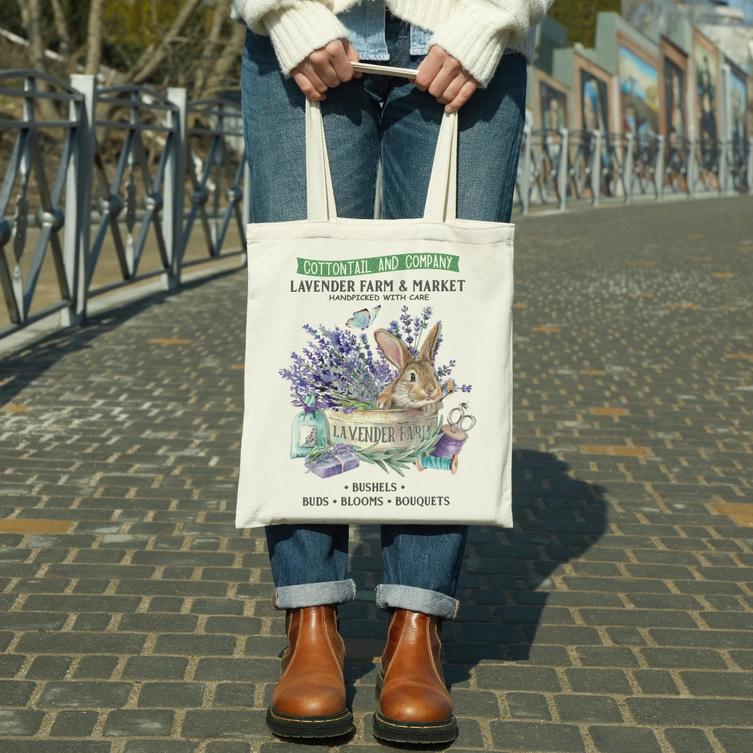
{"x": 309, "y": 429}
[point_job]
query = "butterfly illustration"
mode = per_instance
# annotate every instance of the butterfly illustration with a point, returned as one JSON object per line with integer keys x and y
{"x": 361, "y": 319}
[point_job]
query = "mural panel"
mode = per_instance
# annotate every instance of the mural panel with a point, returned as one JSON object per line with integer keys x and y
{"x": 639, "y": 92}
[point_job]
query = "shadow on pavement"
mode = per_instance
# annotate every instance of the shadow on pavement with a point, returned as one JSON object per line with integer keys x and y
{"x": 505, "y": 577}
{"x": 20, "y": 368}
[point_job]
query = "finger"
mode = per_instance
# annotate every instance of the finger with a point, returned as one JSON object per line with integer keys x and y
{"x": 352, "y": 54}
{"x": 305, "y": 85}
{"x": 313, "y": 76}
{"x": 320, "y": 61}
{"x": 429, "y": 67}
{"x": 453, "y": 89}
{"x": 465, "y": 93}
{"x": 327, "y": 73}
{"x": 341, "y": 63}
{"x": 450, "y": 69}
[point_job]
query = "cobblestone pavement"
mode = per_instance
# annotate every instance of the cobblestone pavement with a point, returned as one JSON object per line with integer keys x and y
{"x": 617, "y": 617}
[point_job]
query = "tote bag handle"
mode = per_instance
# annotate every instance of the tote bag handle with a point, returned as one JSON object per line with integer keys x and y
{"x": 441, "y": 197}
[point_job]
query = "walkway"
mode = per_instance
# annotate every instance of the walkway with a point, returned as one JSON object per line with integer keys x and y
{"x": 616, "y": 618}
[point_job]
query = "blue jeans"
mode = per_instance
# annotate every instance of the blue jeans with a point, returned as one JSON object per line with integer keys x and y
{"x": 363, "y": 119}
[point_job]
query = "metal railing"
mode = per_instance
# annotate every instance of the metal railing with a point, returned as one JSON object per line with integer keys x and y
{"x": 139, "y": 178}
{"x": 562, "y": 167}
{"x": 136, "y": 184}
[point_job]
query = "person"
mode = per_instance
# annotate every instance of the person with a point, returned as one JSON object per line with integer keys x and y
{"x": 470, "y": 56}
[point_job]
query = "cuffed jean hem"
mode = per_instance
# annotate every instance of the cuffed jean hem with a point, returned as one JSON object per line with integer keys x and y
{"x": 416, "y": 599}
{"x": 314, "y": 594}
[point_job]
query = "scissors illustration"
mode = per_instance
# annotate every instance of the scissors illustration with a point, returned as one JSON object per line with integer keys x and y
{"x": 463, "y": 421}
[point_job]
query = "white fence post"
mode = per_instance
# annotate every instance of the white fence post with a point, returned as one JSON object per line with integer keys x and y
{"x": 627, "y": 168}
{"x": 691, "y": 167}
{"x": 563, "y": 167}
{"x": 659, "y": 167}
{"x": 596, "y": 168}
{"x": 174, "y": 187}
{"x": 78, "y": 190}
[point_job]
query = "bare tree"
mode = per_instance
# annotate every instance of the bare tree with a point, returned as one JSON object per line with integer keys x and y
{"x": 94, "y": 38}
{"x": 211, "y": 45}
{"x": 61, "y": 29}
{"x": 154, "y": 55}
{"x": 31, "y": 17}
{"x": 225, "y": 61}
{"x": 219, "y": 53}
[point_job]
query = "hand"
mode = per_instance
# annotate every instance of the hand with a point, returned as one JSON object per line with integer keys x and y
{"x": 445, "y": 79}
{"x": 324, "y": 68}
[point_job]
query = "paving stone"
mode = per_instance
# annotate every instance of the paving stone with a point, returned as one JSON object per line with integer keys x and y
{"x": 606, "y": 656}
{"x": 15, "y": 692}
{"x": 527, "y": 706}
{"x": 229, "y": 746}
{"x": 538, "y": 738}
{"x": 138, "y": 722}
{"x": 92, "y": 643}
{"x": 160, "y": 746}
{"x": 625, "y": 636}
{"x": 86, "y": 694}
{"x": 16, "y": 722}
{"x": 174, "y": 694}
{"x": 703, "y": 638}
{"x": 96, "y": 667}
{"x": 517, "y": 678}
{"x": 224, "y": 723}
{"x": 621, "y": 739}
{"x": 31, "y": 620}
{"x": 598, "y": 681}
{"x": 720, "y": 684}
{"x": 655, "y": 682}
{"x": 217, "y": 606}
{"x": 238, "y": 669}
{"x": 735, "y": 739}
{"x": 587, "y": 708}
{"x": 689, "y": 710}
{"x": 236, "y": 694}
{"x": 624, "y": 573}
{"x": 194, "y": 644}
{"x": 74, "y": 724}
{"x": 744, "y": 659}
{"x": 637, "y": 617}
{"x": 10, "y": 664}
{"x": 236, "y": 625}
{"x": 49, "y": 667}
{"x": 677, "y": 658}
{"x": 155, "y": 668}
{"x": 10, "y": 745}
{"x": 688, "y": 740}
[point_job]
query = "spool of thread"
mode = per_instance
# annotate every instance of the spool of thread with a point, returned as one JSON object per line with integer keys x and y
{"x": 438, "y": 463}
{"x": 450, "y": 443}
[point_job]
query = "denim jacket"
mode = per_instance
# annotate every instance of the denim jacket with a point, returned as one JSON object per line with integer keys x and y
{"x": 365, "y": 21}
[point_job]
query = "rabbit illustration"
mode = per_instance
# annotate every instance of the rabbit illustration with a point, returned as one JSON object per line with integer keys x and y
{"x": 416, "y": 384}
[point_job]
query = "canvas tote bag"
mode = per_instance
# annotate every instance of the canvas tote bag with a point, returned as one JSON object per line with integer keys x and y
{"x": 378, "y": 366}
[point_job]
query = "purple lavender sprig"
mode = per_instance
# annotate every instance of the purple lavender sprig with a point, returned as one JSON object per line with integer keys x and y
{"x": 345, "y": 370}
{"x": 338, "y": 367}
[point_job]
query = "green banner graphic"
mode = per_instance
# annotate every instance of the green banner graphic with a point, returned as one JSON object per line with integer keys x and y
{"x": 377, "y": 264}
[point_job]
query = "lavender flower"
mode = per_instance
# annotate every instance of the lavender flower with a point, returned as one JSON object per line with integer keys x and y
{"x": 344, "y": 370}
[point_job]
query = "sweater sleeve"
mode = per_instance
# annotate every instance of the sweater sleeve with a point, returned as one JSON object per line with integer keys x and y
{"x": 477, "y": 31}
{"x": 296, "y": 27}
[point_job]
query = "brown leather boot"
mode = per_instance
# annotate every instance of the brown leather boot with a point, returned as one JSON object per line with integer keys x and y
{"x": 414, "y": 701}
{"x": 309, "y": 698}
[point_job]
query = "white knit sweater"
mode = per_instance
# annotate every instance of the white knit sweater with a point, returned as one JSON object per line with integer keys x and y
{"x": 476, "y": 32}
